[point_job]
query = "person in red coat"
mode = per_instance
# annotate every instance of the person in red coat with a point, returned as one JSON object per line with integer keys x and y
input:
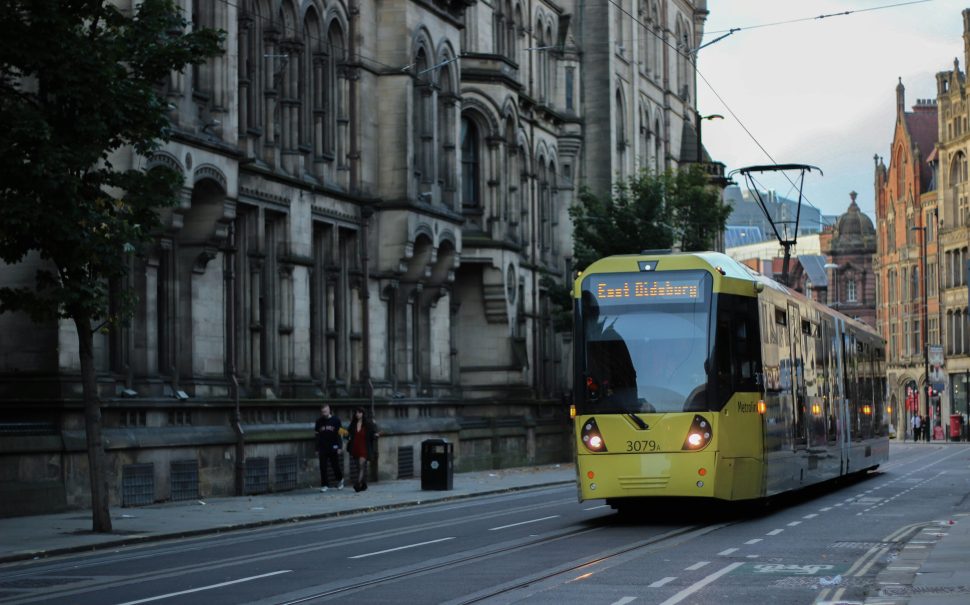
{"x": 362, "y": 444}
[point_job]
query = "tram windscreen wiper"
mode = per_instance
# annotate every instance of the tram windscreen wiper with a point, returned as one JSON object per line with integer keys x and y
{"x": 638, "y": 421}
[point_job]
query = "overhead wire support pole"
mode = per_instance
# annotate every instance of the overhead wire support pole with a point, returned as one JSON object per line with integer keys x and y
{"x": 786, "y": 241}
{"x": 717, "y": 39}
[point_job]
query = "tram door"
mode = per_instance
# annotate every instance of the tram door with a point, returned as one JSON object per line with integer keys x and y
{"x": 799, "y": 398}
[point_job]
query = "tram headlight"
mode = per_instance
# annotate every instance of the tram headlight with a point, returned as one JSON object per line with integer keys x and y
{"x": 591, "y": 436}
{"x": 699, "y": 435}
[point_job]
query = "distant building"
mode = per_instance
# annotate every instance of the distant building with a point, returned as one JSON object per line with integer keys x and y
{"x": 736, "y": 235}
{"x": 849, "y": 246}
{"x": 768, "y": 249}
{"x": 833, "y": 267}
{"x": 748, "y": 221}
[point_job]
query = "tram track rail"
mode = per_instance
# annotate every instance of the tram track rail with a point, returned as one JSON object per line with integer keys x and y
{"x": 613, "y": 555}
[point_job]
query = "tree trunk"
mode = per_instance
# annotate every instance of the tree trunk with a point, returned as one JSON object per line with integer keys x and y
{"x": 100, "y": 513}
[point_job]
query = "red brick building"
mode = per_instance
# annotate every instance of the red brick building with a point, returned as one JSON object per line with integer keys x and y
{"x": 906, "y": 212}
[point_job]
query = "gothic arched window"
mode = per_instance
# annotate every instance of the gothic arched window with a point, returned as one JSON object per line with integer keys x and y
{"x": 470, "y": 176}
{"x": 620, "y": 134}
{"x": 423, "y": 123}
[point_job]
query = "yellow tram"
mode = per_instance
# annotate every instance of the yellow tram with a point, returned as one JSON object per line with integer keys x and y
{"x": 696, "y": 376}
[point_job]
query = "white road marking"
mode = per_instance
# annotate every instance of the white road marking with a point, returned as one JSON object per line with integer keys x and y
{"x": 697, "y": 566}
{"x": 753, "y": 541}
{"x": 201, "y": 588}
{"x": 774, "y": 532}
{"x": 523, "y": 523}
{"x": 595, "y": 507}
{"x": 683, "y": 594}
{"x": 810, "y": 516}
{"x": 624, "y": 601}
{"x": 726, "y": 552}
{"x": 794, "y": 523}
{"x": 661, "y": 582}
{"x": 381, "y": 552}
{"x": 826, "y": 509}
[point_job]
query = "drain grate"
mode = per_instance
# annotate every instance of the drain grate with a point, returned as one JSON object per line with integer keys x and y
{"x": 861, "y": 545}
{"x": 818, "y": 582}
{"x": 908, "y": 591}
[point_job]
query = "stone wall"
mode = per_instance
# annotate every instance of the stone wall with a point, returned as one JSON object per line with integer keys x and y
{"x": 48, "y": 471}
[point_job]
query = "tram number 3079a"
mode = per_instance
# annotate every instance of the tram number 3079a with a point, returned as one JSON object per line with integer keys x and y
{"x": 643, "y": 445}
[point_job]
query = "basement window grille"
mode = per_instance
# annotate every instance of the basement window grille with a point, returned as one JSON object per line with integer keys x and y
{"x": 137, "y": 484}
{"x": 285, "y": 472}
{"x": 405, "y": 462}
{"x": 257, "y": 475}
{"x": 185, "y": 479}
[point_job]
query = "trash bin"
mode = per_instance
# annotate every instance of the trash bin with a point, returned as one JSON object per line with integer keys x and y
{"x": 436, "y": 464}
{"x": 956, "y": 426}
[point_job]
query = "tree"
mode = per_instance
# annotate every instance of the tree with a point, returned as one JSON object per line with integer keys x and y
{"x": 698, "y": 212}
{"x": 648, "y": 211}
{"x": 633, "y": 218}
{"x": 79, "y": 82}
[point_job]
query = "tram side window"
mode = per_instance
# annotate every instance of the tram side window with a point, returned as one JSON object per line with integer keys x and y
{"x": 737, "y": 347}
{"x": 865, "y": 401}
{"x": 879, "y": 356}
{"x": 854, "y": 387}
{"x": 828, "y": 388}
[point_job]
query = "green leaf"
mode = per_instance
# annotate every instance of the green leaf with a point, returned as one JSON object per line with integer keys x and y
{"x": 78, "y": 83}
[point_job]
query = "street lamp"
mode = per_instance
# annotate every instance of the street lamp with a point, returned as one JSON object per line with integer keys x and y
{"x": 835, "y": 273}
{"x": 926, "y": 346}
{"x": 700, "y": 144}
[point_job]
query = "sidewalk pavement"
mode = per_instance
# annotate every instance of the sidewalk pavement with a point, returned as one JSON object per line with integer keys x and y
{"x": 931, "y": 568}
{"x": 39, "y": 536}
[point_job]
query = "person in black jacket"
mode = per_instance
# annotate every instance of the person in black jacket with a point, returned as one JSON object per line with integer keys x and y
{"x": 327, "y": 429}
{"x": 362, "y": 444}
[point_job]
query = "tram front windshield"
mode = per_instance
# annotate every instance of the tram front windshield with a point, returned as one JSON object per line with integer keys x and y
{"x": 645, "y": 341}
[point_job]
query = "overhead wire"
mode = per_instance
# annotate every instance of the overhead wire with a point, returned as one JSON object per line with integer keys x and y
{"x": 816, "y": 18}
{"x": 690, "y": 58}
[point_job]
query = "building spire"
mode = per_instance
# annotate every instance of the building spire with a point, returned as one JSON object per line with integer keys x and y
{"x": 900, "y": 99}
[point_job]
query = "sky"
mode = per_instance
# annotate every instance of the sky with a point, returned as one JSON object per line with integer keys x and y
{"x": 819, "y": 92}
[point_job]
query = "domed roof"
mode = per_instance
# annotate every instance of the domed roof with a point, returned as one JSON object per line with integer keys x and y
{"x": 854, "y": 231}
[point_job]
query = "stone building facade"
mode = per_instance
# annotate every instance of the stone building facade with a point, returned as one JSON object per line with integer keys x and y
{"x": 906, "y": 202}
{"x": 924, "y": 191}
{"x": 953, "y": 202}
{"x": 640, "y": 99}
{"x": 375, "y": 204}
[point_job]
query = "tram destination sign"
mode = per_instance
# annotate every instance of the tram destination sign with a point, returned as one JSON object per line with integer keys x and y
{"x": 626, "y": 288}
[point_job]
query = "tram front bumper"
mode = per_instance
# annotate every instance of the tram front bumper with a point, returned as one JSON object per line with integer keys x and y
{"x": 669, "y": 474}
